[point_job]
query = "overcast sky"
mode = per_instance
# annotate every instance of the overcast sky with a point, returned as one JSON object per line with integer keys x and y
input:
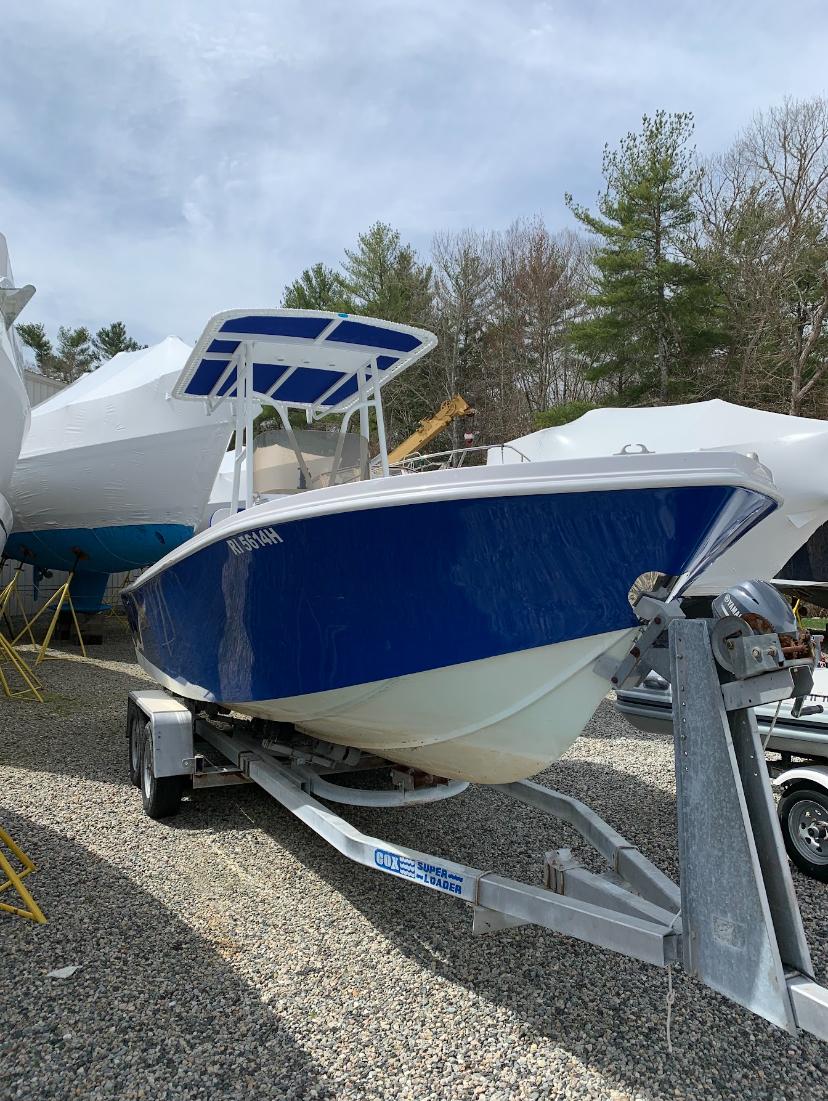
{"x": 162, "y": 161}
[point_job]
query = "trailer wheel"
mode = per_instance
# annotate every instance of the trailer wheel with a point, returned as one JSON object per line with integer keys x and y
{"x": 803, "y": 814}
{"x": 136, "y": 738}
{"x": 161, "y": 795}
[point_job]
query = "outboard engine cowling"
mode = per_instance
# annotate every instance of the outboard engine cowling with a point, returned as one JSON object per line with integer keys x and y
{"x": 757, "y": 608}
{"x": 760, "y": 605}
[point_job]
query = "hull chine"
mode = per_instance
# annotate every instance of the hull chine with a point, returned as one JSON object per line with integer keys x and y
{"x": 488, "y": 722}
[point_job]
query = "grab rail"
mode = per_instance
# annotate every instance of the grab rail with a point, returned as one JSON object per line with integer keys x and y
{"x": 440, "y": 460}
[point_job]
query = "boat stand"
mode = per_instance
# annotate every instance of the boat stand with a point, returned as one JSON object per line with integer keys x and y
{"x": 31, "y": 687}
{"x": 59, "y": 599}
{"x": 116, "y": 608}
{"x": 14, "y": 880}
{"x": 9, "y": 591}
{"x": 733, "y": 922}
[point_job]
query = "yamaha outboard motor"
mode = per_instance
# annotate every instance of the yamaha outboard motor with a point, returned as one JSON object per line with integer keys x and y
{"x": 756, "y": 608}
{"x": 760, "y": 605}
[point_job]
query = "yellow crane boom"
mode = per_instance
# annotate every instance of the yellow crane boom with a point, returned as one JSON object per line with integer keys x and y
{"x": 431, "y": 427}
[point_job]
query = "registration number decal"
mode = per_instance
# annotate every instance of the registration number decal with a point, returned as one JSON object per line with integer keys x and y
{"x": 254, "y": 540}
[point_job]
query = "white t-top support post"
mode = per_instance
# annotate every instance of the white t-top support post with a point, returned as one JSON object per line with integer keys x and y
{"x": 364, "y": 423}
{"x": 294, "y": 443}
{"x": 340, "y": 445}
{"x": 237, "y": 462}
{"x": 248, "y": 427}
{"x": 383, "y": 443}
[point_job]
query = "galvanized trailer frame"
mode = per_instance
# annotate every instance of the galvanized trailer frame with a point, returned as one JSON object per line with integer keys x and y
{"x": 733, "y": 922}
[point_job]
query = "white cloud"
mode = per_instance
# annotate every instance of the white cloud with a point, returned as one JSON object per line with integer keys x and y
{"x": 160, "y": 162}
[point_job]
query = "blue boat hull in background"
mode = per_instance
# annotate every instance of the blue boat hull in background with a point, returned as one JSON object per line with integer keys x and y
{"x": 95, "y": 553}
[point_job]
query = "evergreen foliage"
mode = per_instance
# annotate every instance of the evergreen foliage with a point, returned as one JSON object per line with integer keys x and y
{"x": 112, "y": 339}
{"x": 384, "y": 278}
{"x": 562, "y": 414}
{"x": 317, "y": 288}
{"x": 381, "y": 277}
{"x": 33, "y": 335}
{"x": 77, "y": 351}
{"x": 653, "y": 312}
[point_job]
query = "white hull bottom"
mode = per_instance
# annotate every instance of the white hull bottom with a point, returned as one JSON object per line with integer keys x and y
{"x": 490, "y": 722}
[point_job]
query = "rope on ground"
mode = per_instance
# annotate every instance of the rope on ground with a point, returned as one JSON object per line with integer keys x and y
{"x": 671, "y": 997}
{"x": 671, "y": 994}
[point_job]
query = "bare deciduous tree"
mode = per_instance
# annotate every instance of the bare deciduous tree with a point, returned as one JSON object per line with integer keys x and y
{"x": 764, "y": 219}
{"x": 501, "y": 310}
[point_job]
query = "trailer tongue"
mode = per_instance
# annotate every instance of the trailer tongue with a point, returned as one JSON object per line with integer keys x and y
{"x": 733, "y": 921}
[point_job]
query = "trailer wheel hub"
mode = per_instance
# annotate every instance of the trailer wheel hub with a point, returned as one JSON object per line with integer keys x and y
{"x": 810, "y": 830}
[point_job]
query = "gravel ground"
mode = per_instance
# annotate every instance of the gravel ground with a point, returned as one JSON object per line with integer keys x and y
{"x": 229, "y": 953}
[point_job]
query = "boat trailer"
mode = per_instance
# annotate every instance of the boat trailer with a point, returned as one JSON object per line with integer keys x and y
{"x": 733, "y": 922}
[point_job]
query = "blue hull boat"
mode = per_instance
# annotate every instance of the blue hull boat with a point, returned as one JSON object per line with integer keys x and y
{"x": 448, "y": 621}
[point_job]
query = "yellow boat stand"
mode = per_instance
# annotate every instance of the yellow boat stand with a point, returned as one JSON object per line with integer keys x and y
{"x": 14, "y": 880}
{"x": 31, "y": 685}
{"x": 116, "y": 609}
{"x": 9, "y": 591}
{"x": 57, "y": 600}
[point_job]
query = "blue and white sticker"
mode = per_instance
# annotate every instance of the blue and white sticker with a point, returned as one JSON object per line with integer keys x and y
{"x": 430, "y": 875}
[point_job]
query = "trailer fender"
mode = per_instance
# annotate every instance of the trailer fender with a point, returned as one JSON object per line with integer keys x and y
{"x": 802, "y": 774}
{"x": 171, "y": 723}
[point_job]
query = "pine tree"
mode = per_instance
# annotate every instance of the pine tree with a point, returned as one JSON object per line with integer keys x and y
{"x": 652, "y": 313}
{"x": 562, "y": 414}
{"x": 317, "y": 288}
{"x": 76, "y": 354}
{"x": 33, "y": 335}
{"x": 112, "y": 339}
{"x": 384, "y": 278}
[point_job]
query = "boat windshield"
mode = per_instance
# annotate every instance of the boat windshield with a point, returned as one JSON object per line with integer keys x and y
{"x": 310, "y": 460}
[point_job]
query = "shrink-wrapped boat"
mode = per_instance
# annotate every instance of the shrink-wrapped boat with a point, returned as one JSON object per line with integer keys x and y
{"x": 116, "y": 471}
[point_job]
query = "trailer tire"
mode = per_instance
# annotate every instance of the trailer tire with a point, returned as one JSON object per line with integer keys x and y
{"x": 135, "y": 739}
{"x": 803, "y": 816}
{"x": 160, "y": 795}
